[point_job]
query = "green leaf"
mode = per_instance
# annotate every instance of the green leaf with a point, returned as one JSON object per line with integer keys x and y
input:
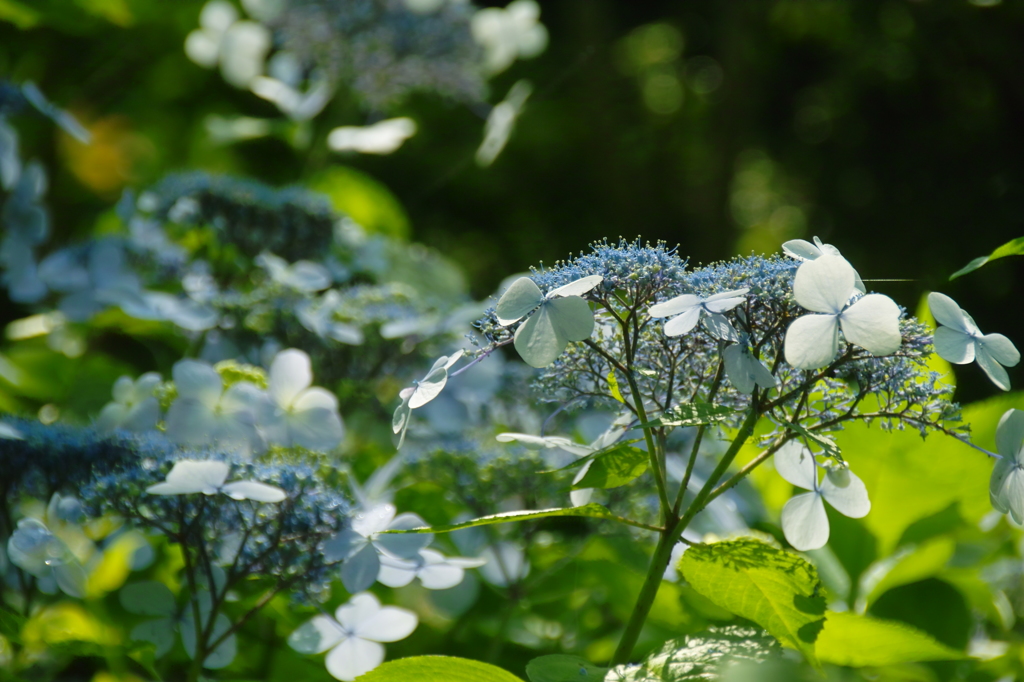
{"x": 698, "y": 657}
{"x": 824, "y": 442}
{"x": 576, "y": 464}
{"x": 429, "y": 668}
{"x": 613, "y": 387}
{"x": 690, "y": 414}
{"x": 1013, "y": 247}
{"x": 905, "y": 567}
{"x": 592, "y": 510}
{"x": 849, "y": 639}
{"x": 613, "y": 468}
{"x": 561, "y": 668}
{"x": 776, "y": 589}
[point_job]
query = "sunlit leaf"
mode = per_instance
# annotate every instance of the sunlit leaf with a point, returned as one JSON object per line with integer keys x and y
{"x": 699, "y": 657}
{"x": 1014, "y": 247}
{"x": 824, "y": 442}
{"x": 592, "y": 510}
{"x": 690, "y": 414}
{"x": 776, "y": 589}
{"x": 613, "y": 468}
{"x": 447, "y": 668}
{"x": 852, "y": 640}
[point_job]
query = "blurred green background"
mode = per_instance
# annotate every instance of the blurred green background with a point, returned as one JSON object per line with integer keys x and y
{"x": 890, "y": 129}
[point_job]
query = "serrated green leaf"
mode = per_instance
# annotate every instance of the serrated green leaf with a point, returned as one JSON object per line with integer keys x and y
{"x": 1014, "y": 247}
{"x": 824, "y": 442}
{"x": 616, "y": 467}
{"x": 576, "y": 464}
{"x": 690, "y": 414}
{"x": 858, "y": 641}
{"x": 429, "y": 668}
{"x": 562, "y": 668}
{"x": 698, "y": 657}
{"x": 776, "y": 589}
{"x": 592, "y": 510}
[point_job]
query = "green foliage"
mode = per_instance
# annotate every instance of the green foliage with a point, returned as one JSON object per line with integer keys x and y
{"x": 860, "y": 641}
{"x": 699, "y": 656}
{"x": 592, "y": 510}
{"x": 447, "y": 668}
{"x": 691, "y": 414}
{"x": 1014, "y": 247}
{"x": 776, "y": 589}
{"x": 824, "y": 442}
{"x": 562, "y": 668}
{"x": 613, "y": 468}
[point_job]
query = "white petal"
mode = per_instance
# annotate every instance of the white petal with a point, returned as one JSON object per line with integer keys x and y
{"x": 147, "y": 598}
{"x": 719, "y": 327}
{"x": 873, "y": 323}
{"x": 576, "y": 288}
{"x": 674, "y": 306}
{"x": 537, "y": 340}
{"x": 316, "y": 636}
{"x": 953, "y": 345}
{"x": 243, "y": 52}
{"x": 70, "y": 577}
{"x": 946, "y": 311}
{"x": 360, "y": 570}
{"x": 202, "y": 48}
{"x": 343, "y": 545}
{"x": 804, "y": 521}
{"x": 812, "y": 340}
{"x": 1010, "y": 436}
{"x": 441, "y": 576}
{"x": 389, "y": 624}
{"x": 801, "y": 249}
{"x": 726, "y": 300}
{"x": 143, "y": 416}
{"x": 190, "y": 422}
{"x": 846, "y": 492}
{"x": 191, "y": 476}
{"x": 992, "y": 368}
{"x": 518, "y": 300}
{"x": 197, "y": 381}
{"x": 796, "y": 465}
{"x": 224, "y": 654}
{"x": 571, "y": 317}
{"x": 511, "y": 567}
{"x": 1006, "y": 490}
{"x": 253, "y": 490}
{"x": 354, "y": 657}
{"x": 360, "y": 607}
{"x": 290, "y": 374}
{"x": 123, "y": 389}
{"x": 824, "y": 285}
{"x": 1000, "y": 348}
{"x": 396, "y": 572}
{"x": 682, "y": 324}
{"x": 112, "y": 416}
{"x": 374, "y": 520}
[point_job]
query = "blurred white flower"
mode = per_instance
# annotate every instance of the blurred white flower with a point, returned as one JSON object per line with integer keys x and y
{"x": 283, "y": 87}
{"x": 383, "y": 137}
{"x": 354, "y": 635}
{"x": 435, "y": 570}
{"x": 26, "y": 225}
{"x": 35, "y": 550}
{"x": 361, "y": 546}
{"x": 303, "y": 275}
{"x": 422, "y": 392}
{"x": 240, "y": 47}
{"x": 205, "y": 413}
{"x": 135, "y": 406}
{"x": 509, "y": 34}
{"x": 501, "y": 121}
{"x": 300, "y": 414}
{"x": 318, "y": 317}
{"x": 1006, "y": 489}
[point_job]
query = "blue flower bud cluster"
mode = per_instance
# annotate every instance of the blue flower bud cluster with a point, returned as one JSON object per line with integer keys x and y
{"x": 280, "y": 541}
{"x": 382, "y": 50}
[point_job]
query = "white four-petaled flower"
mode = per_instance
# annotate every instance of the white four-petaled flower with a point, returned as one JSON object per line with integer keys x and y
{"x": 687, "y": 310}
{"x": 135, "y": 406}
{"x": 208, "y": 477}
{"x": 804, "y": 521}
{"x": 361, "y": 546}
{"x": 958, "y": 340}
{"x": 555, "y": 318}
{"x": 825, "y": 286}
{"x": 354, "y": 635}
{"x": 300, "y": 414}
{"x": 800, "y": 249}
{"x": 435, "y": 570}
{"x": 1006, "y": 490}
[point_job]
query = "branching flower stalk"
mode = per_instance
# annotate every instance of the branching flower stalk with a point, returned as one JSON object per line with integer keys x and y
{"x": 784, "y": 348}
